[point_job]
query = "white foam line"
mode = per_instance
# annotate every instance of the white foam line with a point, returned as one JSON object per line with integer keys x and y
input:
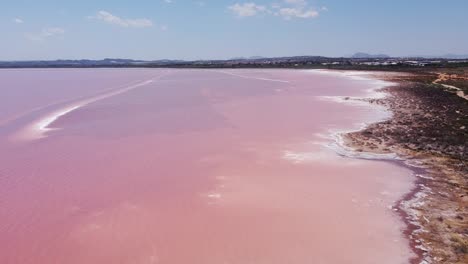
{"x": 36, "y": 109}
{"x": 338, "y": 145}
{"x": 40, "y": 127}
{"x": 367, "y": 76}
{"x": 254, "y": 78}
{"x": 340, "y": 148}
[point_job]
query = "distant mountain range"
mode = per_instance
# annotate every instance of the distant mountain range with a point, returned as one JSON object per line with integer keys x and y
{"x": 87, "y": 63}
{"x": 362, "y": 55}
{"x": 248, "y": 58}
{"x": 448, "y": 56}
{"x": 255, "y": 61}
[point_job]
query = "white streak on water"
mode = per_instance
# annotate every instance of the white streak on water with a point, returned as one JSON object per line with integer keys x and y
{"x": 40, "y": 127}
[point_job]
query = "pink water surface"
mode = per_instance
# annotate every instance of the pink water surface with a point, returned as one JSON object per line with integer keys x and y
{"x": 191, "y": 166}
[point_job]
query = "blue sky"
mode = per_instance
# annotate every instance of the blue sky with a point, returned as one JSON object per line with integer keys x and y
{"x": 209, "y": 29}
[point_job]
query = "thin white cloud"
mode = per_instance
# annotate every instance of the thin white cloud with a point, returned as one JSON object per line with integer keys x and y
{"x": 287, "y": 9}
{"x": 289, "y": 13}
{"x": 109, "y": 18}
{"x": 45, "y": 33}
{"x": 18, "y": 20}
{"x": 168, "y": 1}
{"x": 247, "y": 9}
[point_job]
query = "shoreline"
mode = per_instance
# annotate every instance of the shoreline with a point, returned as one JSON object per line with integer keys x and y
{"x": 420, "y": 208}
{"x": 412, "y": 227}
{"x": 383, "y": 138}
{"x": 342, "y": 147}
{"x": 352, "y": 205}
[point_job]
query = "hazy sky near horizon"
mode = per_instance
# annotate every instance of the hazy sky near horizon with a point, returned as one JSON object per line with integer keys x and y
{"x": 209, "y": 29}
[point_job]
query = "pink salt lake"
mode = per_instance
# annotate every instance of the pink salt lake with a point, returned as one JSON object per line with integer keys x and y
{"x": 192, "y": 166}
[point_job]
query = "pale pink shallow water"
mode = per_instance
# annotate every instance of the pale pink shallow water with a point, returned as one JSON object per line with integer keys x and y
{"x": 190, "y": 166}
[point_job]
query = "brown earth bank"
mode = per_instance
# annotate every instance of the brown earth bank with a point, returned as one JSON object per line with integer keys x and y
{"x": 429, "y": 129}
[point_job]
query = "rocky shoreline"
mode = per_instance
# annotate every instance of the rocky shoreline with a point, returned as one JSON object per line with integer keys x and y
{"x": 429, "y": 130}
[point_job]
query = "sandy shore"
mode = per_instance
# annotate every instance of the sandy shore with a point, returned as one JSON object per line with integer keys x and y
{"x": 427, "y": 130}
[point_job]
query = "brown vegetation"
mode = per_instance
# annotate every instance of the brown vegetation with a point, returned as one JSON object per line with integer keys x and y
{"x": 430, "y": 127}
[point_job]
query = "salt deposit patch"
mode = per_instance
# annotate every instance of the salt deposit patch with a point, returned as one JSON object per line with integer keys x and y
{"x": 303, "y": 157}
